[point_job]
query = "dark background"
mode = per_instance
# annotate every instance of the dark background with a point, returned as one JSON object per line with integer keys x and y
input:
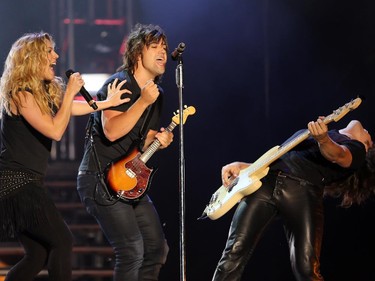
{"x": 256, "y": 71}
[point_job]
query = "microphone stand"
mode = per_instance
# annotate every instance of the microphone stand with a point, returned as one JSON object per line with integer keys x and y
{"x": 180, "y": 86}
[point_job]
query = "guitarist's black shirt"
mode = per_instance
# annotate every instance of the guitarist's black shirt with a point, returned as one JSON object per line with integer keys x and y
{"x": 306, "y": 162}
{"x": 108, "y": 151}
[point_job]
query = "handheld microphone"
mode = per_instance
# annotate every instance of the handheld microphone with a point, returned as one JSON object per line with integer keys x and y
{"x": 84, "y": 92}
{"x": 178, "y": 51}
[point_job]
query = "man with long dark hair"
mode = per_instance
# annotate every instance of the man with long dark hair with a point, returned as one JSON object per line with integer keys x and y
{"x": 132, "y": 227}
{"x": 294, "y": 189}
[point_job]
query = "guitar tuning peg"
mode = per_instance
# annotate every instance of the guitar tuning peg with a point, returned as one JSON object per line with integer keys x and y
{"x": 185, "y": 106}
{"x": 174, "y": 113}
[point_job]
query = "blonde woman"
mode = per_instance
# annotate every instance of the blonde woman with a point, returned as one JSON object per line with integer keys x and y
{"x": 36, "y": 108}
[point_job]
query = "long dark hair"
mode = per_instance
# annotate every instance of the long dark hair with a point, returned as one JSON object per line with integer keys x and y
{"x": 140, "y": 36}
{"x": 358, "y": 187}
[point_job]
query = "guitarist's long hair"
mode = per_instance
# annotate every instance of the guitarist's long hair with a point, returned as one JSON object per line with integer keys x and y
{"x": 358, "y": 187}
{"x": 141, "y": 36}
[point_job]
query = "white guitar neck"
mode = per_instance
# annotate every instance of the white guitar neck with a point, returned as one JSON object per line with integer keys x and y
{"x": 279, "y": 151}
{"x": 276, "y": 152}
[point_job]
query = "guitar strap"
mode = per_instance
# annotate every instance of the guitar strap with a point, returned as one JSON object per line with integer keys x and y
{"x": 146, "y": 122}
{"x": 89, "y": 137}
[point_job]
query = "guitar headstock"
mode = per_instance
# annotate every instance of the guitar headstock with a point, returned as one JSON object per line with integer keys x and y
{"x": 186, "y": 112}
{"x": 343, "y": 110}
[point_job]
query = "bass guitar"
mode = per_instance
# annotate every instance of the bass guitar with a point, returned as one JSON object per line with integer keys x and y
{"x": 129, "y": 178}
{"x": 248, "y": 180}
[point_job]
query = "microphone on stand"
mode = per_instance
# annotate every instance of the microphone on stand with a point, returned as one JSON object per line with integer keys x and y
{"x": 178, "y": 51}
{"x": 84, "y": 92}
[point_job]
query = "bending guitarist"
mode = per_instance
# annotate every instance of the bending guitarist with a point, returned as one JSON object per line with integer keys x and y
{"x": 133, "y": 229}
{"x": 293, "y": 189}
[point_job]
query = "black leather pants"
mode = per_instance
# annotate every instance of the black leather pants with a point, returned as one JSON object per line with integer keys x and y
{"x": 299, "y": 204}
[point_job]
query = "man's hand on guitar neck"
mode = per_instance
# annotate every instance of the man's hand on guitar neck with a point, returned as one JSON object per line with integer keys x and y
{"x": 164, "y": 137}
{"x": 330, "y": 150}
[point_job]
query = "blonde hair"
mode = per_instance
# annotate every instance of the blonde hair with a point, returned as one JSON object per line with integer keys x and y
{"x": 23, "y": 72}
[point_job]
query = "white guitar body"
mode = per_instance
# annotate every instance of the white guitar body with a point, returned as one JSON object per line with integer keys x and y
{"x": 249, "y": 179}
{"x": 247, "y": 182}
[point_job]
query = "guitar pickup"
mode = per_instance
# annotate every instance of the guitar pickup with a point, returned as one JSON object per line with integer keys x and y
{"x": 130, "y": 173}
{"x": 213, "y": 198}
{"x": 232, "y": 184}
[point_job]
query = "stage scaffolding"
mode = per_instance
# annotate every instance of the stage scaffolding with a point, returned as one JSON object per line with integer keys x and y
{"x": 89, "y": 37}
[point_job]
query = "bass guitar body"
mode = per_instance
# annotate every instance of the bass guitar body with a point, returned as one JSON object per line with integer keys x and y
{"x": 247, "y": 182}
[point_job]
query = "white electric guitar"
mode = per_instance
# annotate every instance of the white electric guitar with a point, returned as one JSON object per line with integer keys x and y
{"x": 248, "y": 180}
